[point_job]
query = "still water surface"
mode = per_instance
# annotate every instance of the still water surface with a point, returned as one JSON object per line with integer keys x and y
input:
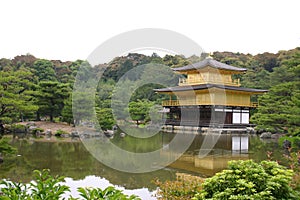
{"x": 72, "y": 160}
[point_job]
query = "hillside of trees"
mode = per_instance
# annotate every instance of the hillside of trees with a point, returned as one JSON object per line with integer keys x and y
{"x": 38, "y": 89}
{"x": 278, "y": 109}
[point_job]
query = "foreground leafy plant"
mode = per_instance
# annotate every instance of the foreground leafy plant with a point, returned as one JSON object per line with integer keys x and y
{"x": 44, "y": 187}
{"x": 15, "y": 191}
{"x": 109, "y": 193}
{"x": 249, "y": 180}
{"x": 47, "y": 187}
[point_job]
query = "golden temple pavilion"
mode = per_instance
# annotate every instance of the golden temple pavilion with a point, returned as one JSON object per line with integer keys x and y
{"x": 209, "y": 94}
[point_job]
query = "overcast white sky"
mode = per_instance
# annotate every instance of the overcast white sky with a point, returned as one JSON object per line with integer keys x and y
{"x": 70, "y": 30}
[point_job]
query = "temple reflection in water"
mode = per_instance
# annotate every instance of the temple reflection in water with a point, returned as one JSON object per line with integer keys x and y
{"x": 207, "y": 162}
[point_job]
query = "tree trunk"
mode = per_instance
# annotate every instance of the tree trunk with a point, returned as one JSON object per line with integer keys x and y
{"x": 38, "y": 117}
{"x": 1, "y": 129}
{"x": 76, "y": 122}
{"x": 22, "y": 117}
{"x": 51, "y": 118}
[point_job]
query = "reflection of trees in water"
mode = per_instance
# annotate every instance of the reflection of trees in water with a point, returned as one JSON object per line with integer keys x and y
{"x": 73, "y": 160}
{"x": 70, "y": 160}
{"x": 138, "y": 145}
{"x": 17, "y": 167}
{"x": 259, "y": 149}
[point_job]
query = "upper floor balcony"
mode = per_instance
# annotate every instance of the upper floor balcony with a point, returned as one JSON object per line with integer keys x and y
{"x": 185, "y": 81}
{"x": 195, "y": 103}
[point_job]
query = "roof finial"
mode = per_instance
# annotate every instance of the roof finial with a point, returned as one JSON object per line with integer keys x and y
{"x": 210, "y": 55}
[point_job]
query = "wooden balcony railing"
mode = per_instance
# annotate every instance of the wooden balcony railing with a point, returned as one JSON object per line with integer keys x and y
{"x": 189, "y": 102}
{"x": 184, "y": 81}
{"x": 170, "y": 103}
{"x": 254, "y": 104}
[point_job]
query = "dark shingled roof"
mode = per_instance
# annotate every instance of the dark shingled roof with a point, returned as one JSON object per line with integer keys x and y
{"x": 208, "y": 86}
{"x": 209, "y": 62}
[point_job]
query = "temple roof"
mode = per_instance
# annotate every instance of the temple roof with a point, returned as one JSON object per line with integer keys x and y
{"x": 209, "y": 62}
{"x": 208, "y": 86}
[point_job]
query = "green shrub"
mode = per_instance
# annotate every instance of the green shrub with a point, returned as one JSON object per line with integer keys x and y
{"x": 17, "y": 128}
{"x": 295, "y": 141}
{"x": 249, "y": 180}
{"x": 60, "y": 132}
{"x": 184, "y": 187}
{"x": 38, "y": 129}
{"x": 6, "y": 120}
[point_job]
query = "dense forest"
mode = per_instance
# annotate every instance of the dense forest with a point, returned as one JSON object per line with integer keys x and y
{"x": 40, "y": 89}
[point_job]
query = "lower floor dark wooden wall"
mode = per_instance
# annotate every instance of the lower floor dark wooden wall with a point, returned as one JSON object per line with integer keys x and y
{"x": 206, "y": 115}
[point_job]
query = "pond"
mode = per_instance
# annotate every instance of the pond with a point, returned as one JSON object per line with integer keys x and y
{"x": 72, "y": 160}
